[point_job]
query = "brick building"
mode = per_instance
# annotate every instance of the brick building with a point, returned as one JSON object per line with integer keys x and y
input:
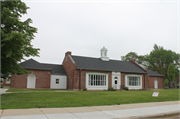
{"x": 78, "y": 72}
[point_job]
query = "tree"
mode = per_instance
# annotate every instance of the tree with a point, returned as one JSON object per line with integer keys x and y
{"x": 129, "y": 56}
{"x": 158, "y": 60}
{"x": 171, "y": 73}
{"x": 16, "y": 37}
{"x": 139, "y": 59}
{"x": 156, "y": 47}
{"x": 166, "y": 82}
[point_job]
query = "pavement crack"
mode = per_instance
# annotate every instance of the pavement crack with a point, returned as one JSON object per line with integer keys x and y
{"x": 43, "y": 113}
{"x": 1, "y": 114}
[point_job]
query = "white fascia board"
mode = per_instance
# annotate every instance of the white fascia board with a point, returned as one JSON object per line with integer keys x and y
{"x": 71, "y": 59}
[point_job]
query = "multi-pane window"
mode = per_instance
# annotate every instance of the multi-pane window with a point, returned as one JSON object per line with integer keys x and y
{"x": 97, "y": 80}
{"x": 57, "y": 81}
{"x": 133, "y": 81}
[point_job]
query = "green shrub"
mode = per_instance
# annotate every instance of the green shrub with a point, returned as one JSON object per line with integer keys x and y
{"x": 2, "y": 86}
{"x": 84, "y": 89}
{"x": 166, "y": 82}
{"x": 110, "y": 89}
{"x": 126, "y": 88}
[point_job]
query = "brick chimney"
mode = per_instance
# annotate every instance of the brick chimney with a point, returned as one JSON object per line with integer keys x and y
{"x": 68, "y": 53}
{"x": 132, "y": 60}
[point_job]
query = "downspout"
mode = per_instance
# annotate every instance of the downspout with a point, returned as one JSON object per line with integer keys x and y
{"x": 79, "y": 79}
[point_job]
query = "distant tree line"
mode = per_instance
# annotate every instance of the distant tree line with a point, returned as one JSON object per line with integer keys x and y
{"x": 160, "y": 60}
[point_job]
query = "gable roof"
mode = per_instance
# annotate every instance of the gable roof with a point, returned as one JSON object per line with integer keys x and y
{"x": 111, "y": 65}
{"x": 152, "y": 73}
{"x": 32, "y": 64}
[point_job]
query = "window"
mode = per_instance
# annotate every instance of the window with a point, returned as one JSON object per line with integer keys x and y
{"x": 133, "y": 81}
{"x": 57, "y": 81}
{"x": 105, "y": 54}
{"x": 115, "y": 82}
{"x": 97, "y": 80}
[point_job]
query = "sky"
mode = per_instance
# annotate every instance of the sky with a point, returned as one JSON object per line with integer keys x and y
{"x": 85, "y": 27}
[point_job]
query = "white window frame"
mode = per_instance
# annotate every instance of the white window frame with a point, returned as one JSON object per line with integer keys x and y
{"x": 58, "y": 80}
{"x": 96, "y": 87}
{"x": 133, "y": 87}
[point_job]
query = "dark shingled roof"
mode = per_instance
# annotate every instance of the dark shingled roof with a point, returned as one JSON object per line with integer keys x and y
{"x": 152, "y": 73}
{"x": 111, "y": 65}
{"x": 32, "y": 64}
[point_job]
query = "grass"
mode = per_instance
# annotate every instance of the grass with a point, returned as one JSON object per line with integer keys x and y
{"x": 35, "y": 98}
{"x": 34, "y": 90}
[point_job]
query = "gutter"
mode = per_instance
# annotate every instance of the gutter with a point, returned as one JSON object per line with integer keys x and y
{"x": 157, "y": 76}
{"x": 36, "y": 68}
{"x": 111, "y": 70}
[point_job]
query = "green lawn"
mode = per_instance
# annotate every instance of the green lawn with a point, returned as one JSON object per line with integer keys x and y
{"x": 16, "y": 90}
{"x": 25, "y": 98}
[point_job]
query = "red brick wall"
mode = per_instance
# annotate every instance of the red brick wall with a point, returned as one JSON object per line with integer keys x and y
{"x": 72, "y": 73}
{"x": 151, "y": 79}
{"x": 43, "y": 78}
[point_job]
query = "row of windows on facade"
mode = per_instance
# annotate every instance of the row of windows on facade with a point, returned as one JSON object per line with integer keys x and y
{"x": 100, "y": 80}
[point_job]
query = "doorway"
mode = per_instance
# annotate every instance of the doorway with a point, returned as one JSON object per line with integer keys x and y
{"x": 31, "y": 81}
{"x": 155, "y": 83}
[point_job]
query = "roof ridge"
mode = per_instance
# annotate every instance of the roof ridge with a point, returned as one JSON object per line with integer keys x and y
{"x": 98, "y": 58}
{"x": 29, "y": 60}
{"x": 50, "y": 64}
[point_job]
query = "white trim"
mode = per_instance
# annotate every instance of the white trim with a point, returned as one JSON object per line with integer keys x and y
{"x": 104, "y": 55}
{"x": 96, "y": 87}
{"x": 133, "y": 87}
{"x": 118, "y": 75}
{"x": 71, "y": 59}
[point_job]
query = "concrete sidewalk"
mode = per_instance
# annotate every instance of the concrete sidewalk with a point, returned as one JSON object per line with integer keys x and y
{"x": 3, "y": 90}
{"x": 95, "y": 112}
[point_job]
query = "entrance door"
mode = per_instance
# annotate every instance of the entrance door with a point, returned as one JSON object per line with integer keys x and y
{"x": 31, "y": 81}
{"x": 116, "y": 80}
{"x": 155, "y": 84}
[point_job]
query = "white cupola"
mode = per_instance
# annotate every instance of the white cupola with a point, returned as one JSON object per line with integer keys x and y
{"x": 104, "y": 54}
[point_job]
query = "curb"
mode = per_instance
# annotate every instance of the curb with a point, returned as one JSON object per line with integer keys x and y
{"x": 151, "y": 116}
